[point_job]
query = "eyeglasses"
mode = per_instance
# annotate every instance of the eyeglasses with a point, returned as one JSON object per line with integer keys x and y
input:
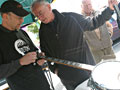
{"x": 42, "y": 12}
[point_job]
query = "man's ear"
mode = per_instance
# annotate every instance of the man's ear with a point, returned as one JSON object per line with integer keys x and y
{"x": 4, "y": 15}
{"x": 49, "y": 6}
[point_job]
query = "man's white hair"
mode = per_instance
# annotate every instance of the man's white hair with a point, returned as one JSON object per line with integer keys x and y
{"x": 41, "y": 2}
{"x": 83, "y": 1}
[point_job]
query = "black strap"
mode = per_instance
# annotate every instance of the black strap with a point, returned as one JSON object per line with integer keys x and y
{"x": 20, "y": 35}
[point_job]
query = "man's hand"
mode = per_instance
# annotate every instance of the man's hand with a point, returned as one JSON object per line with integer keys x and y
{"x": 41, "y": 61}
{"x": 112, "y": 3}
{"x": 28, "y": 58}
{"x": 110, "y": 28}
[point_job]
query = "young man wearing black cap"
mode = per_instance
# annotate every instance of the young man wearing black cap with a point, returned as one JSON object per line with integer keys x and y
{"x": 17, "y": 52}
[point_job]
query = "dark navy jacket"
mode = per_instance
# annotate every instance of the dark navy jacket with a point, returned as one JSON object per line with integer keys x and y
{"x": 63, "y": 38}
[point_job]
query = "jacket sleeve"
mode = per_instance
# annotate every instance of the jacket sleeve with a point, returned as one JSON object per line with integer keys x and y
{"x": 93, "y": 23}
{"x": 8, "y": 69}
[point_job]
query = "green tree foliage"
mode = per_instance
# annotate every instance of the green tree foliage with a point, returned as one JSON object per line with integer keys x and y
{"x": 34, "y": 28}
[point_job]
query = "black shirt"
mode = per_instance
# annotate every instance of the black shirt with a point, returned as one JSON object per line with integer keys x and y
{"x": 19, "y": 77}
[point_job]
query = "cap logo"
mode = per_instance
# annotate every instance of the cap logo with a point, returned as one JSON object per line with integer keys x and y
{"x": 19, "y": 6}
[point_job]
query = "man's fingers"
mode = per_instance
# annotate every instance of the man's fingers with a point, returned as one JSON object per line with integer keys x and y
{"x": 42, "y": 54}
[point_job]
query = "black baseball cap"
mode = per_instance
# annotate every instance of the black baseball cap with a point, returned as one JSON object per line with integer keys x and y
{"x": 14, "y": 7}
